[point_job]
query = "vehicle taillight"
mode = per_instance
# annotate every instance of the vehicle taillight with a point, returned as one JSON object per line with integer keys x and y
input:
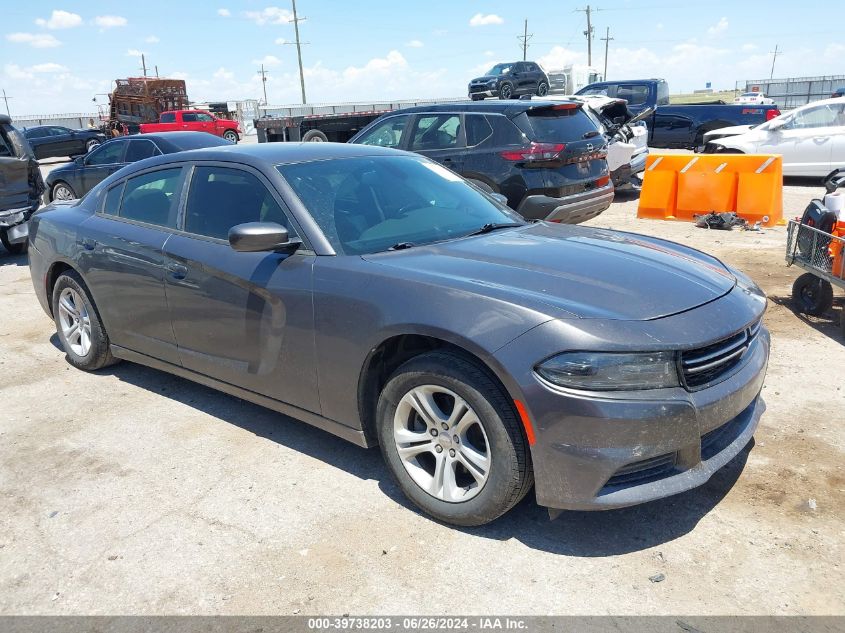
{"x": 535, "y": 151}
{"x": 601, "y": 182}
{"x": 771, "y": 114}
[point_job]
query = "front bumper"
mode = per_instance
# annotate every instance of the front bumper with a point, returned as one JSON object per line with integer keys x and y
{"x": 484, "y": 91}
{"x": 572, "y": 209}
{"x": 597, "y": 451}
{"x": 14, "y": 223}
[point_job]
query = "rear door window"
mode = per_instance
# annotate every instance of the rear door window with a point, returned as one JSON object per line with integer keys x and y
{"x": 168, "y": 117}
{"x": 189, "y": 117}
{"x": 153, "y": 198}
{"x": 435, "y": 131}
{"x": 557, "y": 125}
{"x": 478, "y": 129}
{"x": 140, "y": 149}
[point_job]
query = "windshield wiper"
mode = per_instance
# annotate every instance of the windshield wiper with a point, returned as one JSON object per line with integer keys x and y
{"x": 401, "y": 246}
{"x": 493, "y": 226}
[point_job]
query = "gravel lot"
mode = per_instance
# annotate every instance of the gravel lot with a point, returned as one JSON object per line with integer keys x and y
{"x": 130, "y": 491}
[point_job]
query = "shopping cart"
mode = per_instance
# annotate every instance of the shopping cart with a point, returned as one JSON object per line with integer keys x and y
{"x": 822, "y": 255}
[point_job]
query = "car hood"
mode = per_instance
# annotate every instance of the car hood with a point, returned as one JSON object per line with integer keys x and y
{"x": 570, "y": 271}
{"x": 484, "y": 78}
{"x": 722, "y": 132}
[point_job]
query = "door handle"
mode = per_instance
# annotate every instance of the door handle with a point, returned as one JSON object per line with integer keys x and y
{"x": 88, "y": 244}
{"x": 447, "y": 160}
{"x": 177, "y": 271}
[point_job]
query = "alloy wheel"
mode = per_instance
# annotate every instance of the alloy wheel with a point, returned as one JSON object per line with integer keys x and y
{"x": 75, "y": 322}
{"x": 506, "y": 91}
{"x": 63, "y": 192}
{"x": 91, "y": 144}
{"x": 442, "y": 443}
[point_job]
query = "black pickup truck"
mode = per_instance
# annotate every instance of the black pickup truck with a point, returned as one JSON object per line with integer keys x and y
{"x": 679, "y": 126}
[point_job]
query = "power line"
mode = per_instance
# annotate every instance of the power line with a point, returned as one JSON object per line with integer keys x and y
{"x": 589, "y": 33}
{"x": 607, "y": 39}
{"x": 263, "y": 74}
{"x": 6, "y": 99}
{"x": 296, "y": 22}
{"x": 775, "y": 54}
{"x": 525, "y": 37}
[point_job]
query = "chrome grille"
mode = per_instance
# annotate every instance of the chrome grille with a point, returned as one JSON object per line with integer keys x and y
{"x": 706, "y": 365}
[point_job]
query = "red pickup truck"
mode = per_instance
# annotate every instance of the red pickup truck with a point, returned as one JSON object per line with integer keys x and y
{"x": 194, "y": 121}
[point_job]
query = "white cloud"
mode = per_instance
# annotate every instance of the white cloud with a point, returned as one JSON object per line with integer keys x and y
{"x": 268, "y": 60}
{"x": 280, "y": 41}
{"x": 49, "y": 67}
{"x": 134, "y": 52}
{"x": 659, "y": 26}
{"x": 109, "y": 21}
{"x": 269, "y": 15}
{"x": 151, "y": 39}
{"x": 749, "y": 47}
{"x": 224, "y": 13}
{"x": 559, "y": 56}
{"x": 60, "y": 20}
{"x": 489, "y": 54}
{"x": 720, "y": 27}
{"x": 36, "y": 40}
{"x": 13, "y": 71}
{"x": 414, "y": 44}
{"x": 480, "y": 19}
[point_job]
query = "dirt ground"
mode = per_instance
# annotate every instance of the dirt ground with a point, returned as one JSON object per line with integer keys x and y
{"x": 130, "y": 491}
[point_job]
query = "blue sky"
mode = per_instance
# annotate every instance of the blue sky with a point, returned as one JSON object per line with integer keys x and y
{"x": 56, "y": 56}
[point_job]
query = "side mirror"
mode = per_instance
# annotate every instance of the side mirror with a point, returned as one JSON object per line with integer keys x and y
{"x": 253, "y": 237}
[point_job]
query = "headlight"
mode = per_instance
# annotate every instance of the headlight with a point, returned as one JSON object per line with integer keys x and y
{"x": 600, "y": 371}
{"x": 491, "y": 82}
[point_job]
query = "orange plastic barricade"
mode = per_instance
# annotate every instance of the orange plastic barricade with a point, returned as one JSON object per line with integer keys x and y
{"x": 680, "y": 186}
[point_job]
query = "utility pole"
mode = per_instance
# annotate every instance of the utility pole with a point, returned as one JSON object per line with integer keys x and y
{"x": 589, "y": 33}
{"x": 263, "y": 74}
{"x": 156, "y": 71}
{"x": 775, "y": 54}
{"x": 144, "y": 64}
{"x": 296, "y": 22}
{"x": 607, "y": 40}
{"x": 525, "y": 37}
{"x": 6, "y": 99}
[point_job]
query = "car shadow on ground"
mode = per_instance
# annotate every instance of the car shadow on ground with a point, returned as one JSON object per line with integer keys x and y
{"x": 583, "y": 534}
{"x": 8, "y": 259}
{"x": 828, "y": 323}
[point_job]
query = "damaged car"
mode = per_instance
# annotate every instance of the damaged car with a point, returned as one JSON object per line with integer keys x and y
{"x": 21, "y": 186}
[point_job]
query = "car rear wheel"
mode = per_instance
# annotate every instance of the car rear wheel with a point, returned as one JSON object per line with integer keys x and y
{"x": 505, "y": 91}
{"x": 452, "y": 440}
{"x": 231, "y": 136}
{"x": 62, "y": 191}
{"x": 542, "y": 89}
{"x": 78, "y": 324}
{"x": 91, "y": 144}
{"x": 13, "y": 249}
{"x": 314, "y": 136}
{"x": 813, "y": 295}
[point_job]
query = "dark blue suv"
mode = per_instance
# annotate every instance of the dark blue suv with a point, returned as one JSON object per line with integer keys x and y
{"x": 510, "y": 80}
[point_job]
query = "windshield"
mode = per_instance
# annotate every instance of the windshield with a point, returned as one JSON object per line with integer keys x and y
{"x": 371, "y": 204}
{"x": 500, "y": 69}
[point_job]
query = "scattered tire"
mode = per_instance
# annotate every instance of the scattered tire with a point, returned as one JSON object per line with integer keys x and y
{"x": 78, "y": 324}
{"x": 452, "y": 440}
{"x": 62, "y": 191}
{"x": 13, "y": 249}
{"x": 812, "y": 295}
{"x": 314, "y": 136}
{"x": 91, "y": 144}
{"x": 231, "y": 136}
{"x": 505, "y": 91}
{"x": 542, "y": 89}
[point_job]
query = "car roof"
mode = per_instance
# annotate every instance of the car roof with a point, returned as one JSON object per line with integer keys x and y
{"x": 509, "y": 108}
{"x": 182, "y": 140}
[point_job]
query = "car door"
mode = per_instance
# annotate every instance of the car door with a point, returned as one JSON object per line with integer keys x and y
{"x": 440, "y": 137}
{"x": 242, "y": 318}
{"x": 189, "y": 121}
{"x": 205, "y": 123}
{"x": 805, "y": 141}
{"x": 535, "y": 75}
{"x": 62, "y": 142}
{"x": 101, "y": 163}
{"x": 123, "y": 261}
{"x": 521, "y": 77}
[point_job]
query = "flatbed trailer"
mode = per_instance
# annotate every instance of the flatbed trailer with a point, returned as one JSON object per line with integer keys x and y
{"x": 336, "y": 122}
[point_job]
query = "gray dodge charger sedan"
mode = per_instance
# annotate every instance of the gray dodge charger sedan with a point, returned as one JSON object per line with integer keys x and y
{"x": 377, "y": 295}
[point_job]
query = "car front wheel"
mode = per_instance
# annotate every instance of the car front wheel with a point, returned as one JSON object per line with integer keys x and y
{"x": 505, "y": 91}
{"x": 78, "y": 324}
{"x": 230, "y": 136}
{"x": 542, "y": 89}
{"x": 62, "y": 191}
{"x": 91, "y": 144}
{"x": 452, "y": 440}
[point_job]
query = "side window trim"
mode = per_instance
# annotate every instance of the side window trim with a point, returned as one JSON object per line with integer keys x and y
{"x": 186, "y": 189}
{"x": 144, "y": 172}
{"x": 464, "y": 128}
{"x": 102, "y": 208}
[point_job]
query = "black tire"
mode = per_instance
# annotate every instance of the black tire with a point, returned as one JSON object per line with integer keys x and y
{"x": 314, "y": 136}
{"x": 99, "y": 354}
{"x": 542, "y": 89}
{"x": 91, "y": 144}
{"x": 812, "y": 295}
{"x": 505, "y": 91}
{"x": 476, "y": 97}
{"x": 231, "y": 135}
{"x": 13, "y": 249}
{"x": 510, "y": 475}
{"x": 61, "y": 184}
